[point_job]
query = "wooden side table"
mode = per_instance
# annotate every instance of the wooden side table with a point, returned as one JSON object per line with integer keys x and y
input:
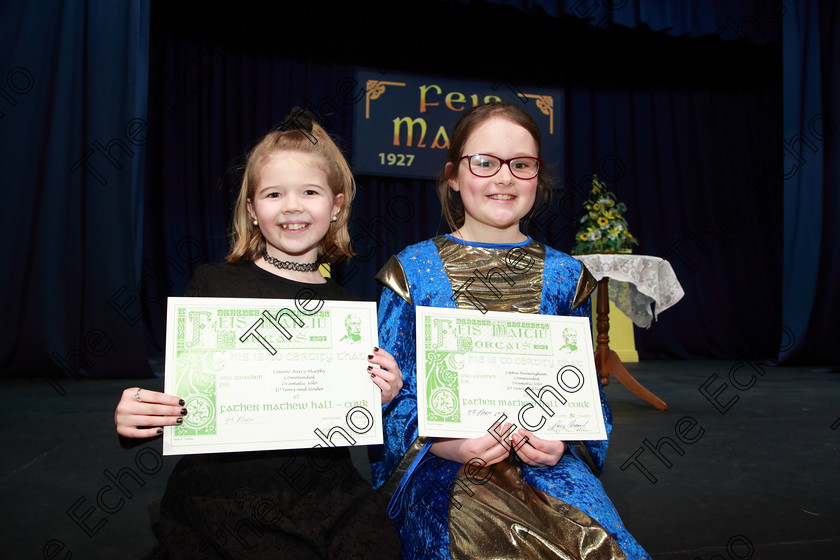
{"x": 643, "y": 280}
{"x": 607, "y": 361}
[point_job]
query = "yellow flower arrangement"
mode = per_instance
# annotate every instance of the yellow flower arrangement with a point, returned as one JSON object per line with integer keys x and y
{"x": 603, "y": 228}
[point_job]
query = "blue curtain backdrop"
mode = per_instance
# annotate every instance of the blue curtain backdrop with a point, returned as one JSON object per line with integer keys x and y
{"x": 72, "y": 131}
{"x": 811, "y": 172}
{"x": 677, "y": 104}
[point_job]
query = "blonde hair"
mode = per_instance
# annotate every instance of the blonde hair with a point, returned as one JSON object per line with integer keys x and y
{"x": 247, "y": 241}
{"x": 450, "y": 200}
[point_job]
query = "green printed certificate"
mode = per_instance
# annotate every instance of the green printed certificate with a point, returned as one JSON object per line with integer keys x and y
{"x": 538, "y": 371}
{"x": 262, "y": 374}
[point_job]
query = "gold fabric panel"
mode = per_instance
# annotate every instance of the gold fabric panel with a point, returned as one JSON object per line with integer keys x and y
{"x": 393, "y": 276}
{"x": 583, "y": 454}
{"x": 502, "y": 517}
{"x": 477, "y": 279}
{"x": 387, "y": 490}
{"x": 585, "y": 286}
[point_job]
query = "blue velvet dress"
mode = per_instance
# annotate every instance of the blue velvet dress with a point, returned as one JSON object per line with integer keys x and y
{"x": 429, "y": 272}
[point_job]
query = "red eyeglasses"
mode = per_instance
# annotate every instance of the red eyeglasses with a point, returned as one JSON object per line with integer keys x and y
{"x": 486, "y": 165}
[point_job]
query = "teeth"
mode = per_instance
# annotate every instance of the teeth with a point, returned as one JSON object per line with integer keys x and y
{"x": 502, "y": 197}
{"x": 293, "y": 226}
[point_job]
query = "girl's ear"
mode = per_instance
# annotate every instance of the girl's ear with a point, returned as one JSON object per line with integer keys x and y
{"x": 338, "y": 204}
{"x": 453, "y": 182}
{"x": 250, "y": 207}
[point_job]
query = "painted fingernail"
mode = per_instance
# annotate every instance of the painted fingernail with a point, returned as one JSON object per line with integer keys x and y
{"x": 160, "y": 430}
{"x": 372, "y": 375}
{"x": 376, "y": 348}
{"x": 182, "y": 402}
{"x": 179, "y": 420}
{"x": 370, "y": 368}
{"x": 183, "y": 412}
{"x": 370, "y": 356}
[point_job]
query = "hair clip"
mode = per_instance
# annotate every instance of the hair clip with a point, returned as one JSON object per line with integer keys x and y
{"x": 299, "y": 118}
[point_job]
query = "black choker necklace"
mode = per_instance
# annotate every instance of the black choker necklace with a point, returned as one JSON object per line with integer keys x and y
{"x": 289, "y": 265}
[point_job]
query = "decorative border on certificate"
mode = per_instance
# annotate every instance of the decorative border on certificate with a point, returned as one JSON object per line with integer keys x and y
{"x": 260, "y": 374}
{"x": 538, "y": 371}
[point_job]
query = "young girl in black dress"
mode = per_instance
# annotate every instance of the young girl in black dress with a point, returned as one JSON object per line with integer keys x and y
{"x": 291, "y": 214}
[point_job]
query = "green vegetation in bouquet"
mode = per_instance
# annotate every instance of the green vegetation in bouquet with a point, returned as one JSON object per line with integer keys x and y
{"x": 603, "y": 228}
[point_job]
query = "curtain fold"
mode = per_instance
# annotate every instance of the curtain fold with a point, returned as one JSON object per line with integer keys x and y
{"x": 73, "y": 135}
{"x": 811, "y": 170}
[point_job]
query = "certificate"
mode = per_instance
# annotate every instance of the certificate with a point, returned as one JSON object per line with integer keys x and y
{"x": 260, "y": 374}
{"x": 534, "y": 371}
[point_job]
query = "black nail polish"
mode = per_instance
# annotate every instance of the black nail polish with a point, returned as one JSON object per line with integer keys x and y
{"x": 179, "y": 420}
{"x": 183, "y": 412}
{"x": 372, "y": 375}
{"x": 182, "y": 402}
{"x": 159, "y": 431}
{"x": 376, "y": 348}
{"x": 370, "y": 356}
{"x": 370, "y": 368}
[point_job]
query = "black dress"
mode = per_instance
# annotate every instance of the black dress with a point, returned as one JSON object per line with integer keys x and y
{"x": 301, "y": 503}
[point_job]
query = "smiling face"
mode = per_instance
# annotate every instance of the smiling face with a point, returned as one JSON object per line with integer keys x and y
{"x": 493, "y": 206}
{"x": 294, "y": 205}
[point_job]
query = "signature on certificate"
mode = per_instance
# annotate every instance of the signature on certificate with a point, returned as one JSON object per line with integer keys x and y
{"x": 238, "y": 420}
{"x": 570, "y": 425}
{"x": 480, "y": 412}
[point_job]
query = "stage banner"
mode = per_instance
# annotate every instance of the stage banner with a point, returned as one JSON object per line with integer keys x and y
{"x": 402, "y": 126}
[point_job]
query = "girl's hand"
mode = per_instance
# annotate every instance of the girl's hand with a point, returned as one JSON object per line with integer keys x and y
{"x": 142, "y": 413}
{"x": 385, "y": 373}
{"x": 536, "y": 451}
{"x": 487, "y": 448}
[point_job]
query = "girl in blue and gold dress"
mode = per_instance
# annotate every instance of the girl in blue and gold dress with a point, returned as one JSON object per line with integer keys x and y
{"x": 480, "y": 497}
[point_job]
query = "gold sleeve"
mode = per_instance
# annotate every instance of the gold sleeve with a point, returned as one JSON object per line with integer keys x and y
{"x": 392, "y": 275}
{"x": 585, "y": 286}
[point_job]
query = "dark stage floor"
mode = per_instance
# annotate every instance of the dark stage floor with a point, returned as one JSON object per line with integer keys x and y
{"x": 758, "y": 481}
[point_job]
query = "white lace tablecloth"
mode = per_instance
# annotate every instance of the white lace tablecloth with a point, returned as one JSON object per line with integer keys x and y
{"x": 641, "y": 286}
